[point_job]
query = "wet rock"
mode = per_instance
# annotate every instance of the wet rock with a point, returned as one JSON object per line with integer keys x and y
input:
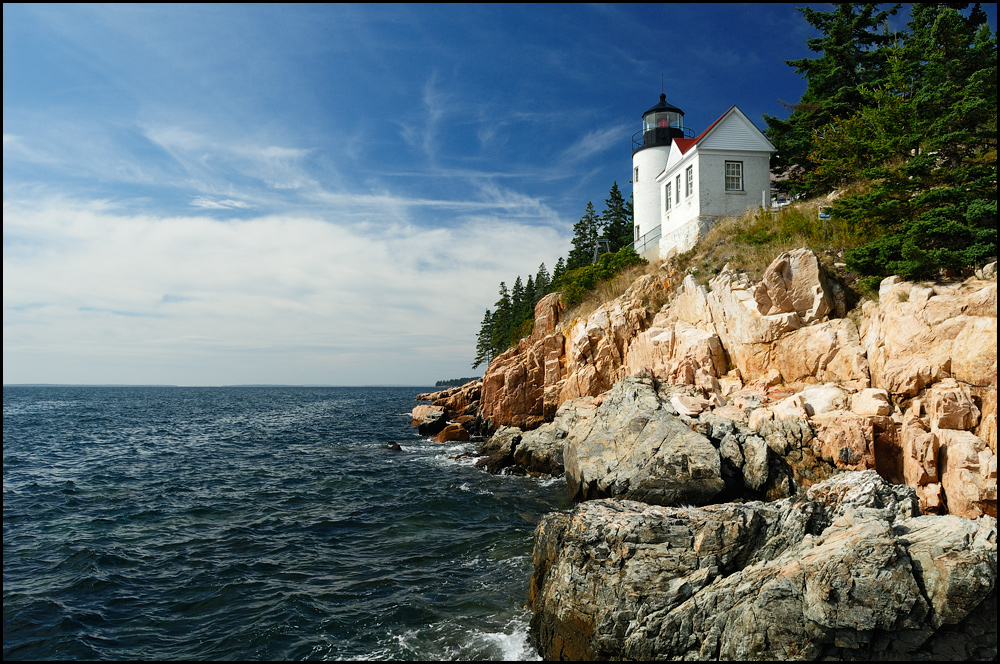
{"x": 453, "y": 432}
{"x": 433, "y": 423}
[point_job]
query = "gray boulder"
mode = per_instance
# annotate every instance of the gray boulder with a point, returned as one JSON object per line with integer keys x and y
{"x": 846, "y": 571}
{"x": 636, "y": 447}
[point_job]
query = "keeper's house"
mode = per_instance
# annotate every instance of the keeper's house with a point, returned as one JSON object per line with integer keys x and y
{"x": 682, "y": 184}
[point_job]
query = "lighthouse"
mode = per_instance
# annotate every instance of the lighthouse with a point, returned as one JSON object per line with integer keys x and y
{"x": 650, "y": 148}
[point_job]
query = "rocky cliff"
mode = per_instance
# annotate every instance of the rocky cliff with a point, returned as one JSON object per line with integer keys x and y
{"x": 905, "y": 385}
{"x": 842, "y": 468}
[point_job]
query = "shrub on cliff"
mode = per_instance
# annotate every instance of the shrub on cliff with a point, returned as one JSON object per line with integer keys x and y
{"x": 576, "y": 283}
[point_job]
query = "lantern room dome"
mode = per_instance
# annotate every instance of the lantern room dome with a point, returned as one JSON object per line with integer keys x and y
{"x": 660, "y": 125}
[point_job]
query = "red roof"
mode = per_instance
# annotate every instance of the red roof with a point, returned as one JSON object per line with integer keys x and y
{"x": 685, "y": 144}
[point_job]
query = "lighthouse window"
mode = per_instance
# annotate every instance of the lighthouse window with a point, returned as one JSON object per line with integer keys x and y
{"x": 734, "y": 176}
{"x": 689, "y": 185}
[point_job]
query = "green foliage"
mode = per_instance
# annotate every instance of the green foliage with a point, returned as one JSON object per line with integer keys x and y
{"x": 585, "y": 234}
{"x": 455, "y": 382}
{"x": 614, "y": 224}
{"x": 617, "y": 219}
{"x": 513, "y": 315}
{"x": 919, "y": 130}
{"x": 559, "y": 269}
{"x": 851, "y": 34}
{"x": 574, "y": 284}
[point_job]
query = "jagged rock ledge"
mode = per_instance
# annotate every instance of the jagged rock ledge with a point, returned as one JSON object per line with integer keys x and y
{"x": 750, "y": 393}
{"x": 905, "y": 386}
{"x": 847, "y": 571}
{"x": 453, "y": 414}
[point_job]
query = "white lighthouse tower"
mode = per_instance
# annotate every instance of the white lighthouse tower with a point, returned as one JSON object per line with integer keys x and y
{"x": 650, "y": 148}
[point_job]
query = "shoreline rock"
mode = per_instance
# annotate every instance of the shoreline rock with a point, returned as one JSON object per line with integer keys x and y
{"x": 929, "y": 350}
{"x": 844, "y": 468}
{"x": 847, "y": 571}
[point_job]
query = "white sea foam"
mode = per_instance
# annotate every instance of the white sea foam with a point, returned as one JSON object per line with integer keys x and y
{"x": 450, "y": 641}
{"x": 512, "y": 644}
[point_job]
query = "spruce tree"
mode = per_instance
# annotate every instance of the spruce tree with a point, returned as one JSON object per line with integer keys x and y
{"x": 518, "y": 304}
{"x": 484, "y": 342}
{"x": 617, "y": 219}
{"x": 503, "y": 317}
{"x": 585, "y": 234}
{"x": 559, "y": 270}
{"x": 542, "y": 281}
{"x": 934, "y": 204}
{"x": 850, "y": 41}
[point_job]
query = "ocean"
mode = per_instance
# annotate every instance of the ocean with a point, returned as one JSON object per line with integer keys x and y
{"x": 256, "y": 523}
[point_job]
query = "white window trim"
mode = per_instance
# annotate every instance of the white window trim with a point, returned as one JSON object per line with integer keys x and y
{"x": 727, "y": 176}
{"x": 689, "y": 184}
{"x": 667, "y": 193}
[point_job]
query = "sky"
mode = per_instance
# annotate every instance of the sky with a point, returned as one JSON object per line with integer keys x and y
{"x": 326, "y": 194}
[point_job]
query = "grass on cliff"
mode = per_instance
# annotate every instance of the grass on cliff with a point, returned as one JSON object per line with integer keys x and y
{"x": 749, "y": 242}
{"x": 609, "y": 289}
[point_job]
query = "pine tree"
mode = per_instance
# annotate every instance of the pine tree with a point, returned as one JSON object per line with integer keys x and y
{"x": 852, "y": 34}
{"x": 529, "y": 296}
{"x": 542, "y": 281}
{"x": 484, "y": 342}
{"x": 585, "y": 234}
{"x": 559, "y": 270}
{"x": 518, "y": 305}
{"x": 503, "y": 317}
{"x": 936, "y": 207}
{"x": 617, "y": 219}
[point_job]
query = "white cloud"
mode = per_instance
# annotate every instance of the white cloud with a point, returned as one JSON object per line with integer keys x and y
{"x": 224, "y": 204}
{"x": 595, "y": 142}
{"x": 93, "y": 295}
{"x": 212, "y": 159}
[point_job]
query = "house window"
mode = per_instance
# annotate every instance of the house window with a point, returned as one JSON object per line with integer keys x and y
{"x": 689, "y": 185}
{"x": 734, "y": 176}
{"x": 678, "y": 187}
{"x": 667, "y": 193}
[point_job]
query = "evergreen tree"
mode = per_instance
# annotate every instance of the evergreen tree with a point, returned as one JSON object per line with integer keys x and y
{"x": 585, "y": 234}
{"x": 484, "y": 342}
{"x": 850, "y": 41}
{"x": 503, "y": 321}
{"x": 559, "y": 269}
{"x": 518, "y": 304}
{"x": 617, "y": 219}
{"x": 542, "y": 281}
{"x": 935, "y": 204}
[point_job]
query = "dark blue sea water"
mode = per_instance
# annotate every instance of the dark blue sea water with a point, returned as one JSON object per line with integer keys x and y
{"x": 255, "y": 523}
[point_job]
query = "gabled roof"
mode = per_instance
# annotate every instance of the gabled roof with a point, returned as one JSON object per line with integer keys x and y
{"x": 685, "y": 144}
{"x": 733, "y": 118}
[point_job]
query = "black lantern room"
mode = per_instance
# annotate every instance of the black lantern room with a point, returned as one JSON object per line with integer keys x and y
{"x": 660, "y": 125}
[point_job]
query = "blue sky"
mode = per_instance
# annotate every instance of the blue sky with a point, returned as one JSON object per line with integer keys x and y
{"x": 317, "y": 194}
